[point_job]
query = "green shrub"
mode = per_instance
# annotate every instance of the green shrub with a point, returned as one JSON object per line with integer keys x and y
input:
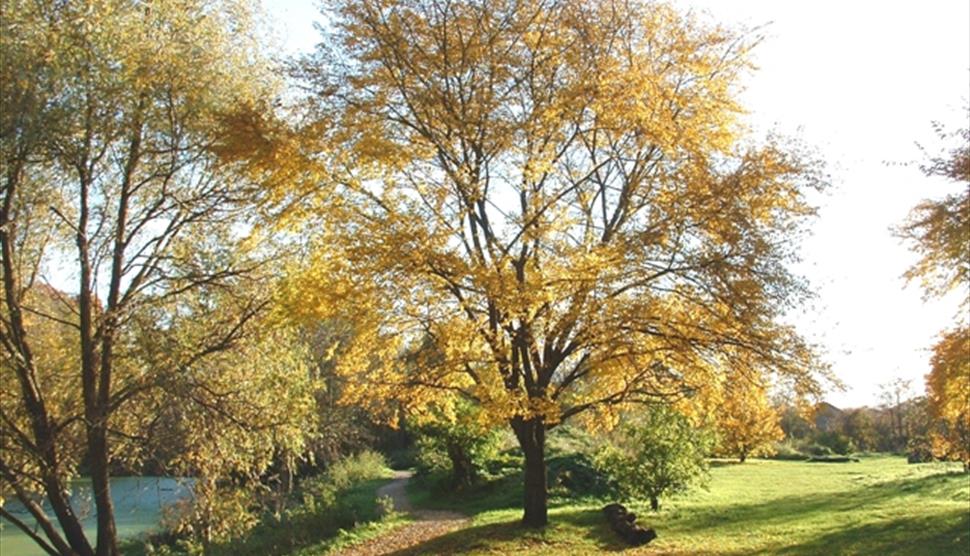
{"x": 577, "y": 475}
{"x": 817, "y": 450}
{"x": 364, "y": 466}
{"x": 462, "y": 448}
{"x": 789, "y": 451}
{"x": 836, "y": 443}
{"x": 340, "y": 498}
{"x": 659, "y": 453}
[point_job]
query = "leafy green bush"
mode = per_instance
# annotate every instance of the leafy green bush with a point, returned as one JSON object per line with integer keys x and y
{"x": 836, "y": 443}
{"x": 461, "y": 447}
{"x": 577, "y": 475}
{"x": 340, "y": 498}
{"x": 789, "y": 450}
{"x": 659, "y": 453}
{"x": 351, "y": 470}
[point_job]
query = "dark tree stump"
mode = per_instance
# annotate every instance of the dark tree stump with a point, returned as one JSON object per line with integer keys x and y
{"x": 624, "y": 524}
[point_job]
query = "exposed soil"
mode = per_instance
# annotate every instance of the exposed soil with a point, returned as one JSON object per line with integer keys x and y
{"x": 427, "y": 525}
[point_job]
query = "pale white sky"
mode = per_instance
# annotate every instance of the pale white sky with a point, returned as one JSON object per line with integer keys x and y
{"x": 860, "y": 82}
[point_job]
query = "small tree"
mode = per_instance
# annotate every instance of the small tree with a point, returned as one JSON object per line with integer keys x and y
{"x": 461, "y": 445}
{"x": 747, "y": 423}
{"x": 860, "y": 427}
{"x": 662, "y": 453}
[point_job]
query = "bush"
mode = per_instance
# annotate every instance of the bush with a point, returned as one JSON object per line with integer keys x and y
{"x": 659, "y": 453}
{"x": 362, "y": 467}
{"x": 461, "y": 447}
{"x": 577, "y": 475}
{"x": 818, "y": 450}
{"x": 789, "y": 451}
{"x": 837, "y": 443}
{"x": 339, "y": 498}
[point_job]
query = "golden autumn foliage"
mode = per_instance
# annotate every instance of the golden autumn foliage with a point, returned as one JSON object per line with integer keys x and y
{"x": 939, "y": 231}
{"x": 557, "y": 195}
{"x": 948, "y": 391}
{"x": 747, "y": 423}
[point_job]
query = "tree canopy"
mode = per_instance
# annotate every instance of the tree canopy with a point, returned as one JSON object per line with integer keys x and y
{"x": 560, "y": 196}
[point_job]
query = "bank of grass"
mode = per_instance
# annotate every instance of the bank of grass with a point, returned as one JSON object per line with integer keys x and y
{"x": 878, "y": 505}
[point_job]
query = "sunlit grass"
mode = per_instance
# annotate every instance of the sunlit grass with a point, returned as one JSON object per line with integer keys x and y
{"x": 880, "y": 505}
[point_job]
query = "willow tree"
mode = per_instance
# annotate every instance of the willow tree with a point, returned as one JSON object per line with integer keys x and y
{"x": 559, "y": 195}
{"x": 110, "y": 110}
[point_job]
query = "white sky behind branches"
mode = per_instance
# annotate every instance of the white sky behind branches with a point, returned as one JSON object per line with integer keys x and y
{"x": 860, "y": 83}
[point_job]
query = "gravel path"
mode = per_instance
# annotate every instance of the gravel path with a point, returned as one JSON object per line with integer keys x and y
{"x": 427, "y": 525}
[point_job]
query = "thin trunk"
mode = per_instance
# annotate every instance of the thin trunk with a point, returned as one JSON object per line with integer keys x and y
{"x": 654, "y": 503}
{"x": 44, "y": 434}
{"x": 532, "y": 438}
{"x": 462, "y": 470}
{"x": 100, "y": 483}
{"x": 98, "y": 429}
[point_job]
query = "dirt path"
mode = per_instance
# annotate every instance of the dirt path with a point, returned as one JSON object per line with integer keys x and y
{"x": 427, "y": 525}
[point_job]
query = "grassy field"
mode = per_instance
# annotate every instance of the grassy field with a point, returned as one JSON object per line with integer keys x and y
{"x": 880, "y": 505}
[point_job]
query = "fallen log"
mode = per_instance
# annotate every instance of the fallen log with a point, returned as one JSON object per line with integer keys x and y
{"x": 624, "y": 524}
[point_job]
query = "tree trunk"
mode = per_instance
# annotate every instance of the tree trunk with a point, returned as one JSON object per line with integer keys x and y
{"x": 654, "y": 503}
{"x": 101, "y": 485}
{"x": 743, "y": 457}
{"x": 532, "y": 439}
{"x": 66, "y": 518}
{"x": 20, "y": 353}
{"x": 462, "y": 470}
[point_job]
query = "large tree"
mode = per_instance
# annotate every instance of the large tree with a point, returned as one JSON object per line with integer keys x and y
{"x": 110, "y": 110}
{"x": 938, "y": 230}
{"x": 558, "y": 194}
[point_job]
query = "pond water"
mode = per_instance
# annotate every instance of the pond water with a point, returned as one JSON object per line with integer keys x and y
{"x": 138, "y": 509}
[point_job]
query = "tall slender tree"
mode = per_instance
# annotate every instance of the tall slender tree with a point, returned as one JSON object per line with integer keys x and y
{"x": 110, "y": 110}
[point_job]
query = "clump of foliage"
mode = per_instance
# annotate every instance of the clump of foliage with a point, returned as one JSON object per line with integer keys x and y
{"x": 832, "y": 442}
{"x": 577, "y": 474}
{"x": 461, "y": 446}
{"x": 343, "y": 474}
{"x": 747, "y": 423}
{"x": 338, "y": 499}
{"x": 948, "y": 392}
{"x": 659, "y": 453}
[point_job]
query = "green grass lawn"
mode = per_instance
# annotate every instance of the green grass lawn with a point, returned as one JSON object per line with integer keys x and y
{"x": 880, "y": 505}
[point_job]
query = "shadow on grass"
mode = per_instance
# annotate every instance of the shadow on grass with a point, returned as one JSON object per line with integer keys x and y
{"x": 787, "y": 509}
{"x": 723, "y": 462}
{"x": 940, "y": 535}
{"x": 584, "y": 528}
